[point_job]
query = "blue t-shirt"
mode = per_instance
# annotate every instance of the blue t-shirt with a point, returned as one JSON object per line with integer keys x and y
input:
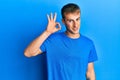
{"x": 67, "y": 58}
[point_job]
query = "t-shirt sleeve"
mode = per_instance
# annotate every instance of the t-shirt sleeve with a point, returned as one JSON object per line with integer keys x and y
{"x": 43, "y": 46}
{"x": 92, "y": 55}
{"x": 46, "y": 44}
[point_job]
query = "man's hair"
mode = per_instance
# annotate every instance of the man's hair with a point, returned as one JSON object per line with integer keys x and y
{"x": 69, "y": 8}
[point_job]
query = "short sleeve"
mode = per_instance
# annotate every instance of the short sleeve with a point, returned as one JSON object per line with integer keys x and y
{"x": 43, "y": 47}
{"x": 46, "y": 44}
{"x": 92, "y": 55}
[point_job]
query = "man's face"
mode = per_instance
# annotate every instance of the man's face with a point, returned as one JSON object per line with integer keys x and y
{"x": 72, "y": 22}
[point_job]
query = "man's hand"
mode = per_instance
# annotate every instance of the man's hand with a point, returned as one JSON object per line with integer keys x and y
{"x": 51, "y": 27}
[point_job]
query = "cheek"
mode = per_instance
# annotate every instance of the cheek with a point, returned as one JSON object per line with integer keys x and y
{"x": 69, "y": 25}
{"x": 78, "y": 24}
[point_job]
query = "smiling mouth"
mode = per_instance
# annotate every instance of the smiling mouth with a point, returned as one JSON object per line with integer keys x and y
{"x": 75, "y": 29}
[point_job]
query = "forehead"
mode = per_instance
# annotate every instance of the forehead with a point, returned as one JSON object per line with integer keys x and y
{"x": 73, "y": 15}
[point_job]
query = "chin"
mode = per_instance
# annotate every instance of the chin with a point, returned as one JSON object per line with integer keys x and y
{"x": 75, "y": 32}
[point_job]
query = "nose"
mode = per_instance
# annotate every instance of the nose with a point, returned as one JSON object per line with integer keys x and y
{"x": 75, "y": 23}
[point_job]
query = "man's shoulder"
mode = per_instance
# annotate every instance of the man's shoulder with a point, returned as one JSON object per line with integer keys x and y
{"x": 56, "y": 35}
{"x": 86, "y": 39}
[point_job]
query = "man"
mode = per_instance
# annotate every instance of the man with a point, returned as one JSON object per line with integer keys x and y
{"x": 70, "y": 55}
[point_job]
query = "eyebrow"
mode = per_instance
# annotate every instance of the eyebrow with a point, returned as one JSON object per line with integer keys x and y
{"x": 78, "y": 18}
{"x": 72, "y": 19}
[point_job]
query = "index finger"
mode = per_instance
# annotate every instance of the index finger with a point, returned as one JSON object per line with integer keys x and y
{"x": 48, "y": 17}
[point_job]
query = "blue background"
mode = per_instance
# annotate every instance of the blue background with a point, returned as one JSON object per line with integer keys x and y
{"x": 21, "y": 21}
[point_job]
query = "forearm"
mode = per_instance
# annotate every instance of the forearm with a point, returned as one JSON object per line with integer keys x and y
{"x": 91, "y": 75}
{"x": 90, "y": 71}
{"x": 33, "y": 48}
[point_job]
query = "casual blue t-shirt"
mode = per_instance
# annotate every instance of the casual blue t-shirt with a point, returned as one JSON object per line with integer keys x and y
{"x": 67, "y": 58}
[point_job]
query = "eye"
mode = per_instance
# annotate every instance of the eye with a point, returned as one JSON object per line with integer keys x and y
{"x": 77, "y": 19}
{"x": 70, "y": 21}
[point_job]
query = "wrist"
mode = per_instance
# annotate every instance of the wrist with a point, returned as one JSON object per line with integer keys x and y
{"x": 48, "y": 32}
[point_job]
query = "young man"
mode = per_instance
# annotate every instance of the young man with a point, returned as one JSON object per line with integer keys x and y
{"x": 70, "y": 55}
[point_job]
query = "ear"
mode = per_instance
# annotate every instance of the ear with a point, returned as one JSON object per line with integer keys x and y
{"x": 63, "y": 21}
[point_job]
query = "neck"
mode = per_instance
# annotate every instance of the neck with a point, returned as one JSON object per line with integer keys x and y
{"x": 72, "y": 35}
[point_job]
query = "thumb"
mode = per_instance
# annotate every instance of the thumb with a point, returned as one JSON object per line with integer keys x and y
{"x": 59, "y": 26}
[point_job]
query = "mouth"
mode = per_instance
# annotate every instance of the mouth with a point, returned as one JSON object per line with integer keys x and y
{"x": 75, "y": 29}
